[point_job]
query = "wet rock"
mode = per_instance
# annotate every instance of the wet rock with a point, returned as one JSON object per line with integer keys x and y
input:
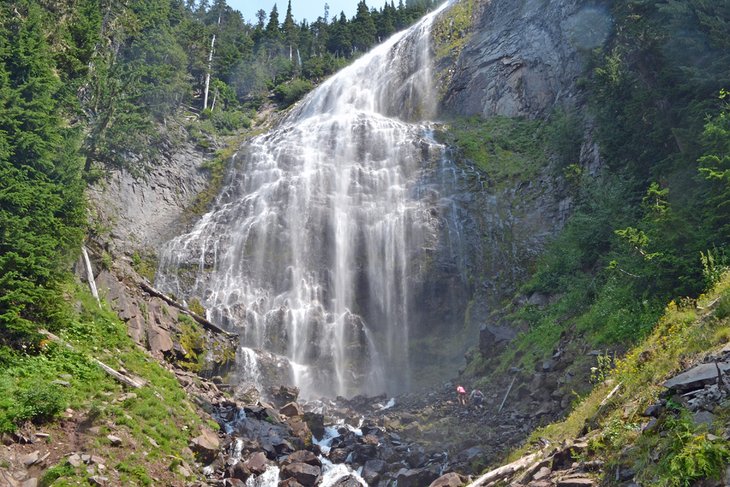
{"x": 338, "y": 455}
{"x": 315, "y": 421}
{"x": 239, "y": 471}
{"x": 493, "y": 338}
{"x": 305, "y": 474}
{"x": 303, "y": 456}
{"x": 349, "y": 481}
{"x": 451, "y": 479}
{"x": 249, "y": 395}
{"x": 291, "y": 409}
{"x": 290, "y": 482}
{"x": 256, "y": 464}
{"x": 372, "y": 470}
{"x": 301, "y": 431}
{"x": 284, "y": 395}
{"x": 416, "y": 457}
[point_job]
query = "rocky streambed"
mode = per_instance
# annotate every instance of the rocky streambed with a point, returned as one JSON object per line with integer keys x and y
{"x": 411, "y": 440}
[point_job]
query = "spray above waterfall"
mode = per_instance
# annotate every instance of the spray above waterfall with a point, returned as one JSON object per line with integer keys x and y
{"x": 311, "y": 250}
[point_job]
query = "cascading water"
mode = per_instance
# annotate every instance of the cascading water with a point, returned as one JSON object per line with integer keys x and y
{"x": 313, "y": 247}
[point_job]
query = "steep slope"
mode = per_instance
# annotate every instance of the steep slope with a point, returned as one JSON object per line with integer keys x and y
{"x": 660, "y": 417}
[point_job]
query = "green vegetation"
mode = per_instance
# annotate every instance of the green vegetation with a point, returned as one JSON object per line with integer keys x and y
{"x": 41, "y": 192}
{"x": 145, "y": 265}
{"x": 451, "y": 32}
{"x": 676, "y": 451}
{"x": 506, "y": 149}
{"x": 652, "y": 224}
{"x": 37, "y": 387}
{"x": 192, "y": 342}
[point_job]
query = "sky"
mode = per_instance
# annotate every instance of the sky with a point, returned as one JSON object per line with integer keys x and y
{"x": 301, "y": 9}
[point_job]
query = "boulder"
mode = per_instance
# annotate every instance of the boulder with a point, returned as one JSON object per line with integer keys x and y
{"x": 315, "y": 421}
{"x": 415, "y": 477}
{"x": 696, "y": 377}
{"x": 75, "y": 460}
{"x": 239, "y": 471}
{"x": 256, "y": 463}
{"x": 206, "y": 445}
{"x": 301, "y": 431}
{"x": 372, "y": 470}
{"x": 114, "y": 440}
{"x": 349, "y": 481}
{"x": 302, "y": 456}
{"x": 290, "y": 482}
{"x": 247, "y": 395}
{"x": 338, "y": 455}
{"x": 451, "y": 479}
{"x": 284, "y": 395}
{"x": 305, "y": 474}
{"x": 291, "y": 409}
{"x": 493, "y": 338}
{"x": 31, "y": 458}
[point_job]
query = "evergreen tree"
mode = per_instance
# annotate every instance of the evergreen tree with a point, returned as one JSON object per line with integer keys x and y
{"x": 363, "y": 28}
{"x": 41, "y": 203}
{"x": 291, "y": 33}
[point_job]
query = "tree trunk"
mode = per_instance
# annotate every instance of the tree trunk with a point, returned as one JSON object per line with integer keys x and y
{"x": 210, "y": 67}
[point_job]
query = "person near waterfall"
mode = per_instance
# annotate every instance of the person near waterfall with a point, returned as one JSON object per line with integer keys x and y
{"x": 461, "y": 394}
{"x": 477, "y": 398}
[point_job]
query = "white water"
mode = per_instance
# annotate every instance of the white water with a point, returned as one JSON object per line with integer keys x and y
{"x": 270, "y": 478}
{"x": 309, "y": 251}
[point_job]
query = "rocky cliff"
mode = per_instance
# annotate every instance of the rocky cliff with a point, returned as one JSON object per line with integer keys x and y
{"x": 523, "y": 58}
{"x": 518, "y": 60}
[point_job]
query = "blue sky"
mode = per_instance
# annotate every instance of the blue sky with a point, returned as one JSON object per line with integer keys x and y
{"x": 301, "y": 9}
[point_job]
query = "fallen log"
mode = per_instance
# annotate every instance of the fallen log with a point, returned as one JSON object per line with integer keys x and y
{"x": 610, "y": 395}
{"x": 205, "y": 323}
{"x": 124, "y": 379}
{"x": 506, "y": 470}
{"x": 507, "y": 393}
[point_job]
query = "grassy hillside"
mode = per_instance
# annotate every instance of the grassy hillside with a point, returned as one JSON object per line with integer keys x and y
{"x": 62, "y": 392}
{"x": 678, "y": 448}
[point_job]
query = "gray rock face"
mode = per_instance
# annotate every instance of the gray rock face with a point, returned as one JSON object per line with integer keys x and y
{"x": 145, "y": 212}
{"x": 524, "y": 57}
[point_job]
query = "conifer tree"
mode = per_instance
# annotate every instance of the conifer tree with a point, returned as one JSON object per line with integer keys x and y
{"x": 41, "y": 203}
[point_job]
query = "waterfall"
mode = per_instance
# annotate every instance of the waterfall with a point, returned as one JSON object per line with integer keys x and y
{"x": 313, "y": 248}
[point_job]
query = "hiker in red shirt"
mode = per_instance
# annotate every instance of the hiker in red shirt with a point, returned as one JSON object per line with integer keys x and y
{"x": 461, "y": 394}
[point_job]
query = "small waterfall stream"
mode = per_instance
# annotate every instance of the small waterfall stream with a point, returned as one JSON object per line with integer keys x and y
{"x": 315, "y": 245}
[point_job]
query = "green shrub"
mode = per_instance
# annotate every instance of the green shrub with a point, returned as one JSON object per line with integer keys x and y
{"x": 227, "y": 122}
{"x": 39, "y": 401}
{"x": 62, "y": 470}
{"x": 723, "y": 306}
{"x": 291, "y": 91}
